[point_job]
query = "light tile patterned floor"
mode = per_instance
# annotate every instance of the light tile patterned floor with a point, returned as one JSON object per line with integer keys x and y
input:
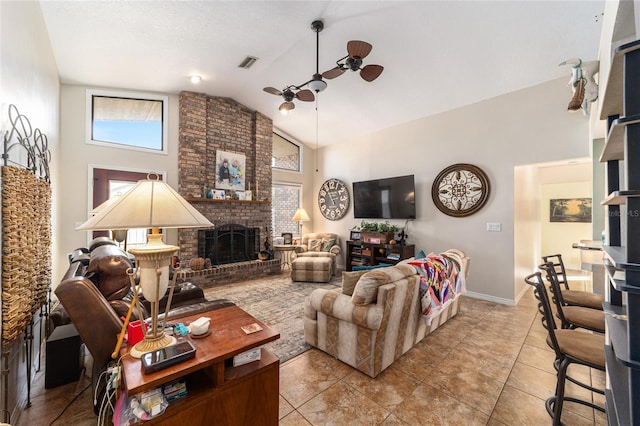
{"x": 490, "y": 365}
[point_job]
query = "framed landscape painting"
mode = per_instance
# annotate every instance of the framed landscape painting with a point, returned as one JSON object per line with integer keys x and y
{"x": 570, "y": 210}
{"x": 230, "y": 170}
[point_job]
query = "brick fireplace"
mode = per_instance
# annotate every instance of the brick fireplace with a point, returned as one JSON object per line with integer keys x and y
{"x": 207, "y": 124}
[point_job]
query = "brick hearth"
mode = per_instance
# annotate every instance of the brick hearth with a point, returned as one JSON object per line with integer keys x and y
{"x": 208, "y": 124}
{"x": 231, "y": 272}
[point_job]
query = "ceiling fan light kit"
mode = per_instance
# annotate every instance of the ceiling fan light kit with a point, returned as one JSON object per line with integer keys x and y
{"x": 357, "y": 50}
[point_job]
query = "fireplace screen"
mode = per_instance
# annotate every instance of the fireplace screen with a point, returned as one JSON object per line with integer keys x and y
{"x": 228, "y": 244}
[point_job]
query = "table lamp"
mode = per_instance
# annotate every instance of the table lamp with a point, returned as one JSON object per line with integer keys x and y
{"x": 151, "y": 203}
{"x": 118, "y": 235}
{"x": 300, "y": 216}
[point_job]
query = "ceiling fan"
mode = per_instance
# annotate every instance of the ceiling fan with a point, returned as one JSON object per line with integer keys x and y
{"x": 290, "y": 93}
{"x": 356, "y": 51}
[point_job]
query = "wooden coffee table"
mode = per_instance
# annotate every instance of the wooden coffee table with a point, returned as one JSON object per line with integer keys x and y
{"x": 218, "y": 393}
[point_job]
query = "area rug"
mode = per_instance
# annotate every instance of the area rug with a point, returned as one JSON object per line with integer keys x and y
{"x": 279, "y": 303}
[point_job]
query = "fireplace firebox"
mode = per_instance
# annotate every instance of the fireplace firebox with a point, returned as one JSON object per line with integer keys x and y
{"x": 229, "y": 243}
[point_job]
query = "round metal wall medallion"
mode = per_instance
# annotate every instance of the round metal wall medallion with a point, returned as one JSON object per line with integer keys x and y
{"x": 460, "y": 190}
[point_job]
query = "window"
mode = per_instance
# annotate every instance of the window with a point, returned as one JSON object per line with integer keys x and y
{"x": 286, "y": 155}
{"x": 128, "y": 120}
{"x": 287, "y": 198}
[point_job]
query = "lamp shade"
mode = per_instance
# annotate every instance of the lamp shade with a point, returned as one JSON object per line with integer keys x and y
{"x": 98, "y": 209}
{"x": 301, "y": 216}
{"x": 151, "y": 203}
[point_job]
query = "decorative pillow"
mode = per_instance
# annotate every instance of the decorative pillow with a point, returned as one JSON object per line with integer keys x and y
{"x": 366, "y": 290}
{"x": 421, "y": 255}
{"x": 327, "y": 243}
{"x": 349, "y": 281}
{"x": 314, "y": 245}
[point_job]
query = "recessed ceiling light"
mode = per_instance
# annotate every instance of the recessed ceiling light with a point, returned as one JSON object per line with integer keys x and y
{"x": 195, "y": 79}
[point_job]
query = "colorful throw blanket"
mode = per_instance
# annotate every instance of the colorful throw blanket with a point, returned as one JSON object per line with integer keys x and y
{"x": 441, "y": 280}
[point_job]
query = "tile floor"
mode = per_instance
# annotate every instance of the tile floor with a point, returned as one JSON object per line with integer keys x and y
{"x": 489, "y": 365}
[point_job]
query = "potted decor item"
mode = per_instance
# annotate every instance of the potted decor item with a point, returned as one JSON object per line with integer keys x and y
{"x": 377, "y": 233}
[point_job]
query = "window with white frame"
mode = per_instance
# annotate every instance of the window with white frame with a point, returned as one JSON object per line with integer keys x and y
{"x": 286, "y": 154}
{"x": 127, "y": 120}
{"x": 286, "y": 199}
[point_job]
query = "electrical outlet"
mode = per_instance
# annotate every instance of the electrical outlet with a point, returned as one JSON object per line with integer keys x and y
{"x": 494, "y": 226}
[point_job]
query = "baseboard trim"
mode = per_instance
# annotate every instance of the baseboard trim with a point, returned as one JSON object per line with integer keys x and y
{"x": 481, "y": 296}
{"x": 522, "y": 293}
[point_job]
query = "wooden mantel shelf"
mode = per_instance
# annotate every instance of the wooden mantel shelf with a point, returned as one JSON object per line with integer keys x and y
{"x": 211, "y": 200}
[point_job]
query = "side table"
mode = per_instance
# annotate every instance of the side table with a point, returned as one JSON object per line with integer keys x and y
{"x": 286, "y": 252}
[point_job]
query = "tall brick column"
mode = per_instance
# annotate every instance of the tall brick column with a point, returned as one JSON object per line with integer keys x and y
{"x": 208, "y": 124}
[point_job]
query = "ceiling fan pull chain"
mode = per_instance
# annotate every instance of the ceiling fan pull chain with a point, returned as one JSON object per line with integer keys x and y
{"x": 317, "y": 132}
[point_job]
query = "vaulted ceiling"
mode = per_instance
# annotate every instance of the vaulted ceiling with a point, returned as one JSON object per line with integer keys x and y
{"x": 437, "y": 55}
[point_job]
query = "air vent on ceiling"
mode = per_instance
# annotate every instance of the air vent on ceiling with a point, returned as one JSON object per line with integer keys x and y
{"x": 247, "y": 62}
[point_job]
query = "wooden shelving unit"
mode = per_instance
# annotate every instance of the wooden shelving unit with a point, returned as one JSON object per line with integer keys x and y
{"x": 621, "y": 154}
{"x": 360, "y": 253}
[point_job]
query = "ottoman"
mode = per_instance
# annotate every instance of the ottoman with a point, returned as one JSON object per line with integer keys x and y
{"x": 312, "y": 269}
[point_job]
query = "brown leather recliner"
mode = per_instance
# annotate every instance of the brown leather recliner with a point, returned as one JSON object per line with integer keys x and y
{"x": 95, "y": 296}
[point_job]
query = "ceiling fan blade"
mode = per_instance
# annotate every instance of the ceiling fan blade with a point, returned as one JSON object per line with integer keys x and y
{"x": 371, "y": 72}
{"x": 287, "y": 106}
{"x": 333, "y": 72}
{"x": 305, "y": 95}
{"x": 272, "y": 90}
{"x": 358, "y": 49}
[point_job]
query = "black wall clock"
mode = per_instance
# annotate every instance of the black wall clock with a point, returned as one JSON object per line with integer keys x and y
{"x": 460, "y": 190}
{"x": 333, "y": 199}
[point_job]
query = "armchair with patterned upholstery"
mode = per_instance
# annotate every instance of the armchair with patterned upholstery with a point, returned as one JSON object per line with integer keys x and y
{"x": 320, "y": 244}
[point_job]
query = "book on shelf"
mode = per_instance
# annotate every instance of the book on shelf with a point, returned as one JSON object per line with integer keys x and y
{"x": 393, "y": 256}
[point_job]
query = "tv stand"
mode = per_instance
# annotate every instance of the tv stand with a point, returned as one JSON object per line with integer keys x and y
{"x": 360, "y": 253}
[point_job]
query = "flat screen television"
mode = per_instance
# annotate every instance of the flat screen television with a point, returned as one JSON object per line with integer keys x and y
{"x": 390, "y": 198}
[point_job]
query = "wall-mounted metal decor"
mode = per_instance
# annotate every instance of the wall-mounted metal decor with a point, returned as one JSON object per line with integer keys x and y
{"x": 460, "y": 190}
{"x": 35, "y": 155}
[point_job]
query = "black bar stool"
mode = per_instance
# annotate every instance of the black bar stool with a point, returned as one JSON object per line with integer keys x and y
{"x": 573, "y": 297}
{"x": 570, "y": 347}
{"x": 571, "y": 316}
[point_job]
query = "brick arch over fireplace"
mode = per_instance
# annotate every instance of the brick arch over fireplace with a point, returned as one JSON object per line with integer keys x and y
{"x": 210, "y": 123}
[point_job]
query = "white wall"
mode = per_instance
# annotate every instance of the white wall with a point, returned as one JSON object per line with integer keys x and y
{"x": 524, "y": 127}
{"x": 527, "y": 225}
{"x": 77, "y": 155}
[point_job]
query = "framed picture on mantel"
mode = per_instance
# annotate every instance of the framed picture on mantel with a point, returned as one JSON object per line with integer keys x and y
{"x": 230, "y": 170}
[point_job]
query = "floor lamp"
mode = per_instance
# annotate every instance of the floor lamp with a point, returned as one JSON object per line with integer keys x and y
{"x": 300, "y": 216}
{"x": 151, "y": 203}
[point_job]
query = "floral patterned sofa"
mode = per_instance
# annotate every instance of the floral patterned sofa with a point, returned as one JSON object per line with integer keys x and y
{"x": 380, "y": 314}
